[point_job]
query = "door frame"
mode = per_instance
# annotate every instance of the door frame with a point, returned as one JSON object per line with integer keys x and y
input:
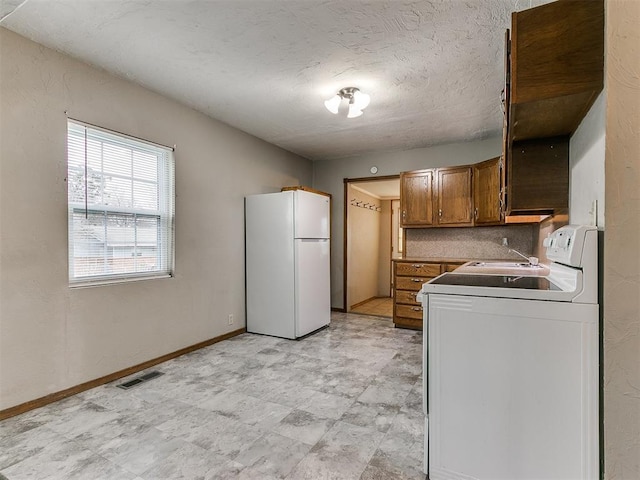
{"x": 346, "y": 182}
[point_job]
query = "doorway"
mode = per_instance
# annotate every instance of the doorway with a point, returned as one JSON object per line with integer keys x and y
{"x": 370, "y": 243}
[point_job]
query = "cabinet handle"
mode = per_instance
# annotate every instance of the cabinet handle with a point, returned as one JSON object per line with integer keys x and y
{"x": 440, "y": 212}
{"x": 416, "y": 280}
{"x": 404, "y": 214}
{"x": 476, "y": 213}
{"x": 413, "y": 294}
{"x": 416, "y": 309}
{"x": 416, "y": 265}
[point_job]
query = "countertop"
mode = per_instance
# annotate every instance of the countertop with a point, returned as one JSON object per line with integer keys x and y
{"x": 445, "y": 259}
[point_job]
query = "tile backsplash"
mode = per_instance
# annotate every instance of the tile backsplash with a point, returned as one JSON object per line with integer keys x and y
{"x": 471, "y": 243}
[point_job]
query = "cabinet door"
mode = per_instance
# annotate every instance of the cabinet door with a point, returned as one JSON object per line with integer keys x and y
{"x": 538, "y": 177}
{"x": 454, "y": 196}
{"x": 416, "y": 203}
{"x": 418, "y": 269}
{"x": 557, "y": 65}
{"x": 506, "y": 142}
{"x": 486, "y": 192}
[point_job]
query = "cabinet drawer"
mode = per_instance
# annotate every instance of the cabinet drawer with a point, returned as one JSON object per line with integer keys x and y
{"x": 450, "y": 267}
{"x": 412, "y": 323}
{"x": 411, "y": 283}
{"x": 418, "y": 269}
{"x": 404, "y": 296}
{"x": 409, "y": 311}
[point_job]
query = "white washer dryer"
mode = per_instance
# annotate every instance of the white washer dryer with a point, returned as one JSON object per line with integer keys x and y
{"x": 511, "y": 367}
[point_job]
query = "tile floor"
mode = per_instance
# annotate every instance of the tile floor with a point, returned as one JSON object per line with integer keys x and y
{"x": 380, "y": 306}
{"x": 344, "y": 403}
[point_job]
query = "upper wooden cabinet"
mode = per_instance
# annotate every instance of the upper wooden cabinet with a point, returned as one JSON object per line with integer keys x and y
{"x": 537, "y": 183}
{"x": 487, "y": 192}
{"x": 556, "y": 67}
{"x": 416, "y": 198}
{"x": 538, "y": 174}
{"x": 453, "y": 197}
{"x": 436, "y": 197}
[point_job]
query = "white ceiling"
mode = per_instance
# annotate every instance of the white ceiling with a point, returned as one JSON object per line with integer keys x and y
{"x": 434, "y": 69}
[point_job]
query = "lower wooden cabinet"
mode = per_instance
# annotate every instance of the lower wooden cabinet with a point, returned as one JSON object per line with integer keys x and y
{"x": 408, "y": 277}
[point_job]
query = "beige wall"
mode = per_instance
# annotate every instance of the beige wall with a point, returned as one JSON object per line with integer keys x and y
{"x": 363, "y": 247}
{"x": 384, "y": 254}
{"x": 329, "y": 175}
{"x": 53, "y": 337}
{"x": 622, "y": 243}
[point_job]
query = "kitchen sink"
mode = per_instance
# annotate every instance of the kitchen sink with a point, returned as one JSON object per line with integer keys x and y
{"x": 503, "y": 265}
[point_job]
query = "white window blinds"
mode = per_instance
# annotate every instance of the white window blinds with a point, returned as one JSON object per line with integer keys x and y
{"x": 121, "y": 206}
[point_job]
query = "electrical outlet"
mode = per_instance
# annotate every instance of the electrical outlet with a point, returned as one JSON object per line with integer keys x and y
{"x": 231, "y": 319}
{"x": 505, "y": 242}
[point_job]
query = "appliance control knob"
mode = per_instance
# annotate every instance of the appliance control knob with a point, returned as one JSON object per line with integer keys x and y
{"x": 546, "y": 242}
{"x": 563, "y": 241}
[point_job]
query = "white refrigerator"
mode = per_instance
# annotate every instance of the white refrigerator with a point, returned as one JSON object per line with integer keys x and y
{"x": 287, "y": 263}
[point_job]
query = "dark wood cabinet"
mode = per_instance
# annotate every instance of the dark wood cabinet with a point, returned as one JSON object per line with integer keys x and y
{"x": 408, "y": 277}
{"x": 487, "y": 192}
{"x": 554, "y": 64}
{"x": 538, "y": 176}
{"x": 556, "y": 67}
{"x": 536, "y": 183}
{"x": 436, "y": 197}
{"x": 453, "y": 197}
{"x": 416, "y": 198}
{"x": 506, "y": 141}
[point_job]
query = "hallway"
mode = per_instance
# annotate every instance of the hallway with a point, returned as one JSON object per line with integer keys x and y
{"x": 379, "y": 306}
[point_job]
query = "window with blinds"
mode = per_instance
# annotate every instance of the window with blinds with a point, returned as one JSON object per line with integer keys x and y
{"x": 121, "y": 206}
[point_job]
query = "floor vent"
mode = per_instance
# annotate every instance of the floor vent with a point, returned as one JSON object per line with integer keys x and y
{"x": 150, "y": 375}
{"x": 141, "y": 379}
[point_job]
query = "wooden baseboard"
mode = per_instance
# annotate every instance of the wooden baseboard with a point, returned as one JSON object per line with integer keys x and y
{"x": 54, "y": 397}
{"x": 367, "y": 300}
{"x": 336, "y": 309}
{"x": 356, "y": 305}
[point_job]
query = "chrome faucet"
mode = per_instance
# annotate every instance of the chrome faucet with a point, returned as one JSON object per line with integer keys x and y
{"x": 533, "y": 261}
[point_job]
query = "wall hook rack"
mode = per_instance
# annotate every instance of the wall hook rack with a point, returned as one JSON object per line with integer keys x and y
{"x": 368, "y": 206}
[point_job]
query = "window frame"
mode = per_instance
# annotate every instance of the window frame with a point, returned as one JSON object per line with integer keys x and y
{"x": 164, "y": 214}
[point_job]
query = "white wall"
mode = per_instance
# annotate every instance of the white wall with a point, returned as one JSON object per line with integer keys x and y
{"x": 586, "y": 162}
{"x": 53, "y": 337}
{"x": 328, "y": 176}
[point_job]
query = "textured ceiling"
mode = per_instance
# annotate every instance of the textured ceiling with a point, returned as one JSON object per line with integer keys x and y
{"x": 434, "y": 69}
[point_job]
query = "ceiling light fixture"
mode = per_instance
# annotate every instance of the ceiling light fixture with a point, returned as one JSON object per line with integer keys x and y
{"x": 357, "y": 101}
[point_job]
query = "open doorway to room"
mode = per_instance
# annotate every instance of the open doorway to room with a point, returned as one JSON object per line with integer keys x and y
{"x": 371, "y": 241}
